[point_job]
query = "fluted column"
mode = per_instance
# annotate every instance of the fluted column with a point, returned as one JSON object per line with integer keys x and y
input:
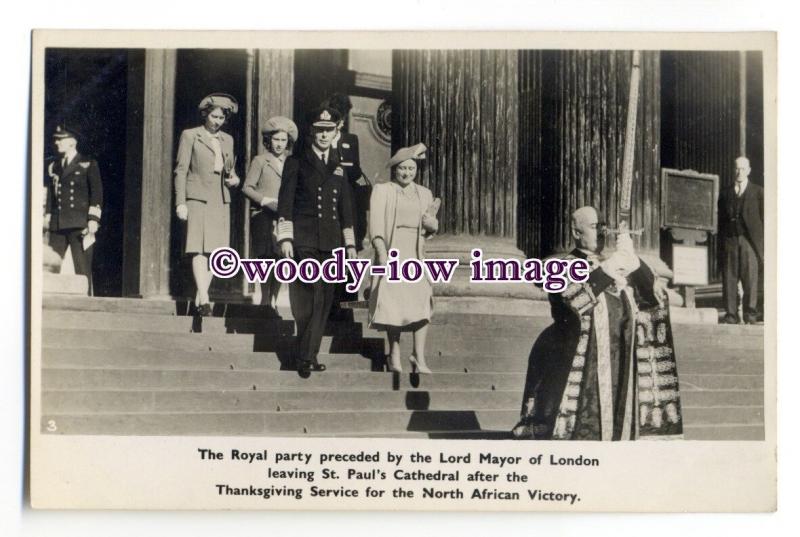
{"x": 463, "y": 105}
{"x": 703, "y": 114}
{"x": 582, "y": 108}
{"x": 156, "y": 190}
{"x": 274, "y": 79}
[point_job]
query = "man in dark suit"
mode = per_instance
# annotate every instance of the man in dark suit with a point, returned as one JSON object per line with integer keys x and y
{"x": 741, "y": 216}
{"x": 315, "y": 216}
{"x": 74, "y": 201}
{"x": 346, "y": 145}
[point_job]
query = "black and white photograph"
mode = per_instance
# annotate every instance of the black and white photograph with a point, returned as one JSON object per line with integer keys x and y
{"x": 646, "y": 165}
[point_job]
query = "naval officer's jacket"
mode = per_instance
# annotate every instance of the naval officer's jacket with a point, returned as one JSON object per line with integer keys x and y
{"x": 348, "y": 152}
{"x": 314, "y": 203}
{"x": 76, "y": 193}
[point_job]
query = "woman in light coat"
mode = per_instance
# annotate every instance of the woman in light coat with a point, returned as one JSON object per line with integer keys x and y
{"x": 402, "y": 216}
{"x": 204, "y": 173}
{"x": 262, "y": 184}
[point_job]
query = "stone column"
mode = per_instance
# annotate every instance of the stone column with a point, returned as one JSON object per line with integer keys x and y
{"x": 156, "y": 177}
{"x": 270, "y": 92}
{"x": 575, "y": 134}
{"x": 463, "y": 105}
{"x": 274, "y": 91}
{"x": 703, "y": 115}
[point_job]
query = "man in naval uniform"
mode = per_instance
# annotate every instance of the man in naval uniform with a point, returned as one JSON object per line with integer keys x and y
{"x": 346, "y": 145}
{"x": 609, "y": 372}
{"x": 315, "y": 216}
{"x": 74, "y": 201}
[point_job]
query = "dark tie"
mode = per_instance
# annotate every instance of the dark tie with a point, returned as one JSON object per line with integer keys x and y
{"x": 324, "y": 158}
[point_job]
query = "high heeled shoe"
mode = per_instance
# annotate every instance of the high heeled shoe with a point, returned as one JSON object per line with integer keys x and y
{"x": 417, "y": 367}
{"x": 392, "y": 366}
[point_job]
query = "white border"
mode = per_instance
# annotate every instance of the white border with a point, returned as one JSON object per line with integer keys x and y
{"x": 610, "y": 14}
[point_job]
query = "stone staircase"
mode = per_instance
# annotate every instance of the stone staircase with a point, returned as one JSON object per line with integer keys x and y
{"x": 127, "y": 366}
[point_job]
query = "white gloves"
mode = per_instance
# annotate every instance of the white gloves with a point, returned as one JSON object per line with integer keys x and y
{"x": 269, "y": 203}
{"x": 430, "y": 223}
{"x": 622, "y": 262}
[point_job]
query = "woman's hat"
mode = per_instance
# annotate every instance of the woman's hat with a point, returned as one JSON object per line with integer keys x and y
{"x": 222, "y": 100}
{"x": 280, "y": 123}
{"x": 416, "y": 152}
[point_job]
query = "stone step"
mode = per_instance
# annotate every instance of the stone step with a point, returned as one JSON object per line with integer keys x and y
{"x": 137, "y": 379}
{"x": 455, "y": 325}
{"x": 700, "y": 422}
{"x": 203, "y": 360}
{"x": 167, "y": 342}
{"x": 142, "y": 322}
{"x": 155, "y": 359}
{"x": 437, "y": 343}
{"x": 507, "y": 311}
{"x": 481, "y": 305}
{"x": 706, "y": 351}
{"x": 692, "y": 382}
{"x": 722, "y": 398}
{"x": 193, "y": 402}
{"x": 279, "y": 423}
{"x": 111, "y": 304}
{"x": 744, "y": 415}
{"x": 111, "y": 378}
{"x": 102, "y": 402}
{"x": 495, "y": 305}
{"x": 725, "y": 431}
{"x": 433, "y": 435}
{"x": 699, "y": 432}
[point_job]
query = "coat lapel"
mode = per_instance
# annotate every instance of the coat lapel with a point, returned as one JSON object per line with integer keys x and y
{"x": 72, "y": 166}
{"x": 275, "y": 163}
{"x": 321, "y": 171}
{"x": 205, "y": 138}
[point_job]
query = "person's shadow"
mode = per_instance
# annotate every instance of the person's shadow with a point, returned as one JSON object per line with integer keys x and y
{"x": 549, "y": 364}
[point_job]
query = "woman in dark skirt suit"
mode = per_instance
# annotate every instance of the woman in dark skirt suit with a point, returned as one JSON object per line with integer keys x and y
{"x": 203, "y": 176}
{"x": 262, "y": 184}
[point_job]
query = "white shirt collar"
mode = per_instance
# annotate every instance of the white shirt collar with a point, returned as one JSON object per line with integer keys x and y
{"x": 742, "y": 186}
{"x": 320, "y": 153}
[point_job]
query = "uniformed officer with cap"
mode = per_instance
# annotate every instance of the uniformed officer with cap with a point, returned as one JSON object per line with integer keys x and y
{"x": 315, "y": 216}
{"x": 74, "y": 201}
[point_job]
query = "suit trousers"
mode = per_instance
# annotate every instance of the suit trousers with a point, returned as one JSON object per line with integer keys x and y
{"x": 311, "y": 304}
{"x": 741, "y": 263}
{"x": 81, "y": 259}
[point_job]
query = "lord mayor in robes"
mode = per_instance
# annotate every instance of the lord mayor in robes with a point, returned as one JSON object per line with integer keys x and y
{"x": 605, "y": 369}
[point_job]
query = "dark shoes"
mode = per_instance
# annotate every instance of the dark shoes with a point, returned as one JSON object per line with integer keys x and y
{"x": 751, "y": 318}
{"x": 730, "y": 319}
{"x": 305, "y": 368}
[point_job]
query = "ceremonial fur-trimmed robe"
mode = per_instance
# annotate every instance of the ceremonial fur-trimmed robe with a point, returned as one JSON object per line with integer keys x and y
{"x": 607, "y": 369}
